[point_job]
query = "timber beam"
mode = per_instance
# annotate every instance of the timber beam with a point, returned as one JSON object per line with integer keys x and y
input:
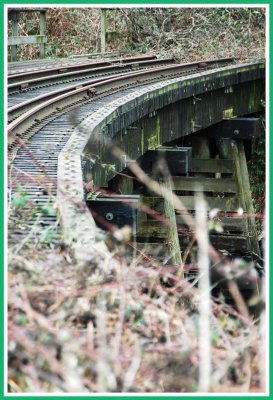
{"x": 118, "y": 210}
{"x": 236, "y": 128}
{"x": 178, "y": 160}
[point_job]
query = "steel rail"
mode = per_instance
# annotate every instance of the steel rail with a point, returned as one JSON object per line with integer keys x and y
{"x": 18, "y": 109}
{"x": 15, "y": 77}
{"x": 80, "y": 73}
{"x": 78, "y": 94}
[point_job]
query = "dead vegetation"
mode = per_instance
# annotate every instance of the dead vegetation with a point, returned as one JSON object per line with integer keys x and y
{"x": 75, "y": 329}
{"x": 134, "y": 326}
{"x": 186, "y": 33}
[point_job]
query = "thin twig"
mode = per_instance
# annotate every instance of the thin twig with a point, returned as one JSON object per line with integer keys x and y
{"x": 204, "y": 302}
{"x": 131, "y": 373}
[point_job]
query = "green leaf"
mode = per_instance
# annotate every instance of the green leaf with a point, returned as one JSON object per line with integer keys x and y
{"x": 19, "y": 202}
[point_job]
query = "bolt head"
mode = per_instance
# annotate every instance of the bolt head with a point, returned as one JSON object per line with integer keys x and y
{"x": 109, "y": 216}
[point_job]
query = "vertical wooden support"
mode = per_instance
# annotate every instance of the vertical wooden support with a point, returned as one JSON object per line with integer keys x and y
{"x": 238, "y": 152}
{"x": 224, "y": 148}
{"x": 103, "y": 30}
{"x": 42, "y": 32}
{"x": 172, "y": 234}
{"x": 14, "y": 27}
{"x": 200, "y": 148}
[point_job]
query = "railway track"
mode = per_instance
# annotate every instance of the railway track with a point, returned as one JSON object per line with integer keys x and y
{"x": 28, "y": 114}
{"x": 24, "y": 86}
{"x": 15, "y": 68}
{"x": 44, "y": 123}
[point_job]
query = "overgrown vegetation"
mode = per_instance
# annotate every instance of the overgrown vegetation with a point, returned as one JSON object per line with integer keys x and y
{"x": 132, "y": 327}
{"x": 187, "y": 33}
{"x": 121, "y": 324}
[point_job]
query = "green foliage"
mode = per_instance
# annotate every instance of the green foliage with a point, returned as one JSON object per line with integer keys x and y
{"x": 47, "y": 210}
{"x": 20, "y": 199}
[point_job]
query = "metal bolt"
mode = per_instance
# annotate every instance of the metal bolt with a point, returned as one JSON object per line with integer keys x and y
{"x": 236, "y": 132}
{"x": 109, "y": 216}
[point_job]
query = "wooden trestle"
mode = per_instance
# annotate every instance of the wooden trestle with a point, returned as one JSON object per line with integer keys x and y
{"x": 224, "y": 181}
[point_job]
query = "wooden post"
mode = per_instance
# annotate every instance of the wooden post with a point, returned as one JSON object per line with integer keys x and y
{"x": 42, "y": 32}
{"x": 14, "y": 27}
{"x": 238, "y": 151}
{"x": 200, "y": 148}
{"x": 14, "y": 40}
{"x": 103, "y": 30}
{"x": 224, "y": 148}
{"x": 172, "y": 234}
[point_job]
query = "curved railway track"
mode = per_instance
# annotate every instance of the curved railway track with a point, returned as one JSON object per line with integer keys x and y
{"x": 49, "y": 128}
{"x": 19, "y": 113}
{"x": 24, "y": 86}
{"x": 44, "y": 65}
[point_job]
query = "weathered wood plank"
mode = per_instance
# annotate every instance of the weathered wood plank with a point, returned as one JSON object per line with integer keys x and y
{"x": 157, "y": 229}
{"x": 229, "y": 224}
{"x": 212, "y": 165}
{"x": 226, "y": 204}
{"x": 35, "y": 39}
{"x": 158, "y": 247}
{"x": 204, "y": 184}
{"x": 150, "y": 239}
{"x": 230, "y": 243}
